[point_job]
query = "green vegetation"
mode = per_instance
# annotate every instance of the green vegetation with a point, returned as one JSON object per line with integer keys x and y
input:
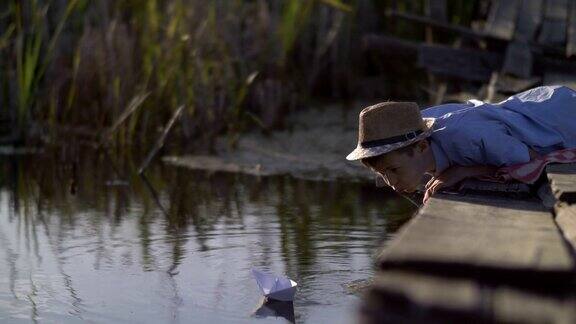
{"x": 77, "y": 65}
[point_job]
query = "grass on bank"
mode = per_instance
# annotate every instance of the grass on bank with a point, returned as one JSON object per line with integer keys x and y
{"x": 235, "y": 64}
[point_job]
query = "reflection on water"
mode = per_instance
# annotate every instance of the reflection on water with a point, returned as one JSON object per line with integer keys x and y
{"x": 82, "y": 238}
{"x": 275, "y": 308}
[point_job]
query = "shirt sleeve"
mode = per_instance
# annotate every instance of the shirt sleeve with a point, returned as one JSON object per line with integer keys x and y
{"x": 490, "y": 144}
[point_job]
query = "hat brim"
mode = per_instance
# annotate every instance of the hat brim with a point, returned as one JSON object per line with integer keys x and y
{"x": 362, "y": 153}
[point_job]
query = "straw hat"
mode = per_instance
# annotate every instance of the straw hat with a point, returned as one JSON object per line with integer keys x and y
{"x": 388, "y": 126}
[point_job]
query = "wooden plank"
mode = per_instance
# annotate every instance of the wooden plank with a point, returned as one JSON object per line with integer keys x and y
{"x": 431, "y": 291}
{"x": 571, "y": 42}
{"x": 464, "y": 64}
{"x": 404, "y": 297}
{"x": 469, "y": 33}
{"x": 529, "y": 20}
{"x": 504, "y": 239}
{"x": 501, "y": 20}
{"x": 445, "y": 61}
{"x": 554, "y": 25}
{"x": 436, "y": 9}
{"x": 439, "y": 24}
{"x": 518, "y": 59}
{"x": 562, "y": 178}
{"x": 467, "y": 64}
{"x": 399, "y": 296}
{"x": 508, "y": 188}
{"x": 389, "y": 46}
{"x": 511, "y": 305}
{"x": 566, "y": 220}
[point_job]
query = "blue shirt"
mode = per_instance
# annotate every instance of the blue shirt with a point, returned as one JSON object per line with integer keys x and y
{"x": 478, "y": 133}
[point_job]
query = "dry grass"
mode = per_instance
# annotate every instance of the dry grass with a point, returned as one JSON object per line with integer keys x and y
{"x": 233, "y": 63}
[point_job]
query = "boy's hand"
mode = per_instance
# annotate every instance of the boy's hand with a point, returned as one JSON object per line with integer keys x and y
{"x": 453, "y": 175}
{"x": 448, "y": 178}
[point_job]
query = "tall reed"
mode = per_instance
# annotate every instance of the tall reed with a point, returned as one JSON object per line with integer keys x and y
{"x": 33, "y": 44}
{"x": 78, "y": 63}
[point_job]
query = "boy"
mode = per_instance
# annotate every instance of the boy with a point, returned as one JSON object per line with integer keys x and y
{"x": 456, "y": 141}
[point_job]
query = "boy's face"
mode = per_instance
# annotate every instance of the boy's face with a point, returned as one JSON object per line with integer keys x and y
{"x": 402, "y": 171}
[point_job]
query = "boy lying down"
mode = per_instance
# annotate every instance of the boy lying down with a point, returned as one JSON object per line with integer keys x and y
{"x": 453, "y": 142}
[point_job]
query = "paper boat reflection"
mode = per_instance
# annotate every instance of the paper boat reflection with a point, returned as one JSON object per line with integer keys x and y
{"x": 274, "y": 308}
{"x": 275, "y": 287}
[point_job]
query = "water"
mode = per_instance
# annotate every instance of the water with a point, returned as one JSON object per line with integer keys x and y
{"x": 84, "y": 239}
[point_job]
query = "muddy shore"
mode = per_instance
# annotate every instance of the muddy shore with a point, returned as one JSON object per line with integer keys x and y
{"x": 313, "y": 147}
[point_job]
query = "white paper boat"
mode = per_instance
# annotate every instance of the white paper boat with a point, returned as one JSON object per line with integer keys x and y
{"x": 275, "y": 287}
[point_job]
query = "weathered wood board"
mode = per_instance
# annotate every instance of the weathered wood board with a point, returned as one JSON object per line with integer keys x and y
{"x": 459, "y": 63}
{"x": 518, "y": 59}
{"x": 471, "y": 64}
{"x": 502, "y": 189}
{"x": 399, "y": 296}
{"x": 441, "y": 25}
{"x": 436, "y": 9}
{"x": 554, "y": 25}
{"x": 529, "y": 20}
{"x": 499, "y": 238}
{"x": 571, "y": 41}
{"x": 389, "y": 46}
{"x": 502, "y": 18}
{"x": 403, "y": 297}
{"x": 566, "y": 220}
{"x": 562, "y": 178}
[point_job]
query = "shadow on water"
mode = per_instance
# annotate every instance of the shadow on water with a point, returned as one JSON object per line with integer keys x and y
{"x": 84, "y": 237}
{"x": 274, "y": 308}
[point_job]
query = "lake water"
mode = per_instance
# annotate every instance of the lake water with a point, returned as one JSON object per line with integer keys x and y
{"x": 84, "y": 239}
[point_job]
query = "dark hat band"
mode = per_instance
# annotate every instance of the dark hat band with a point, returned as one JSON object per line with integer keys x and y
{"x": 391, "y": 140}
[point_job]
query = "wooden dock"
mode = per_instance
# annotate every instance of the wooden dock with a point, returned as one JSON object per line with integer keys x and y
{"x": 482, "y": 257}
{"x": 493, "y": 253}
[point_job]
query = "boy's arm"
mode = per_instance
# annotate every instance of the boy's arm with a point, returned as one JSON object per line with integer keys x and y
{"x": 455, "y": 174}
